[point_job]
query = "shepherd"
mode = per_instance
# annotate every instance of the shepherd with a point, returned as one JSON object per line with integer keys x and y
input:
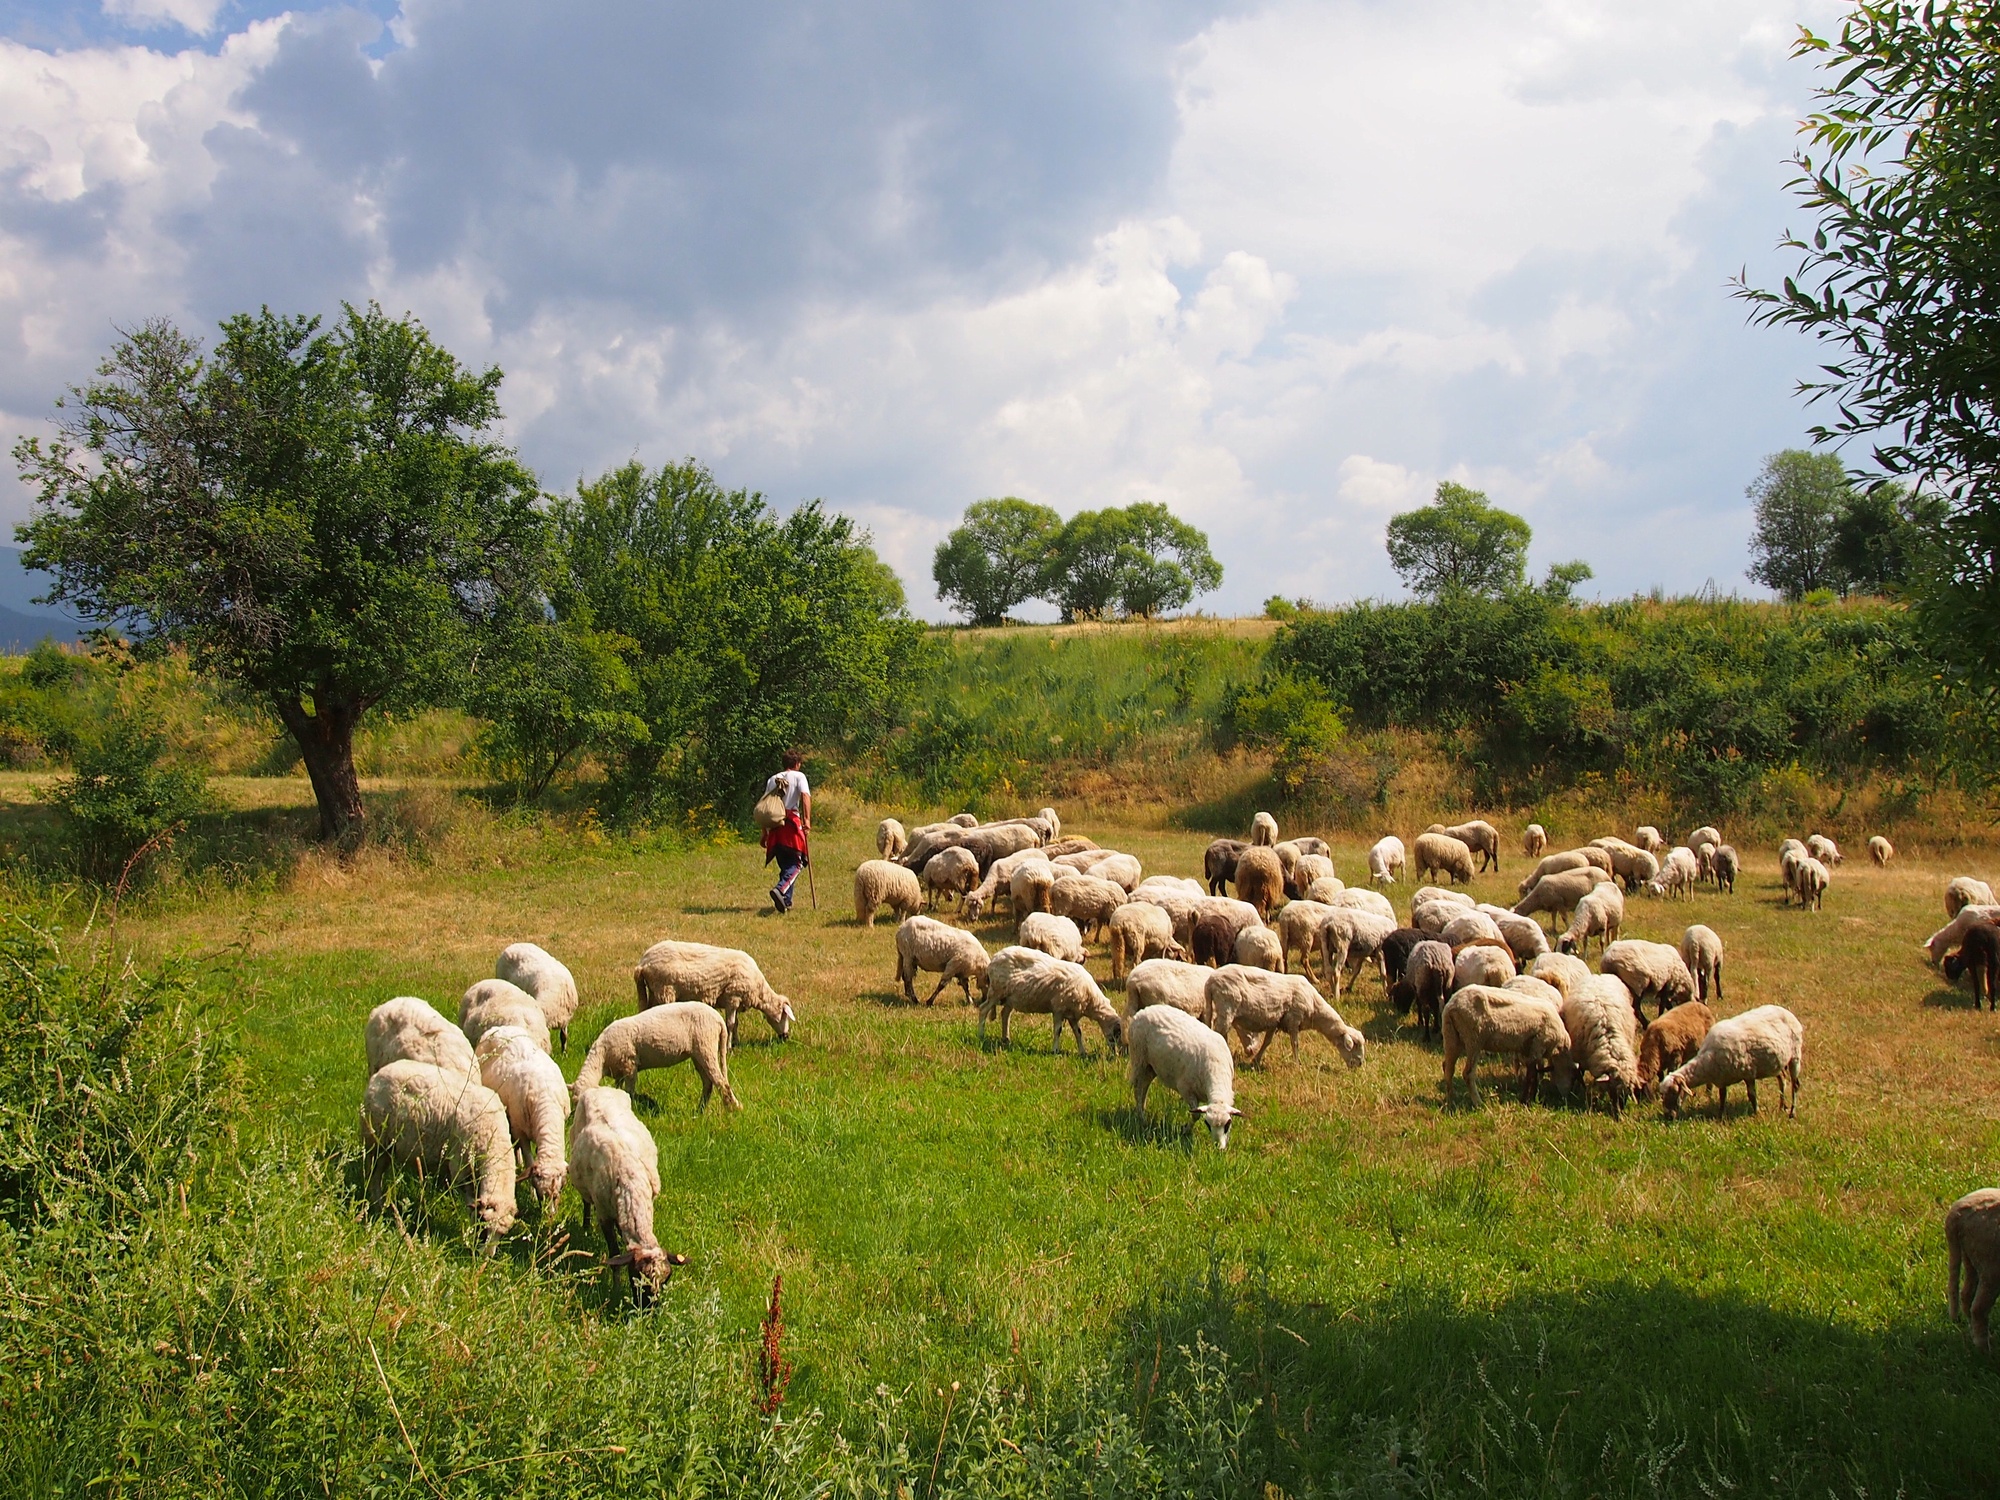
{"x": 785, "y": 812}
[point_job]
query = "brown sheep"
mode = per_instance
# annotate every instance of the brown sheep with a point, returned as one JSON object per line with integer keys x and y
{"x": 1260, "y": 879}
{"x": 1218, "y": 864}
{"x": 1979, "y": 955}
{"x": 1445, "y": 855}
{"x": 1972, "y": 1238}
{"x": 1426, "y": 981}
{"x": 1671, "y": 1041}
{"x": 1214, "y": 939}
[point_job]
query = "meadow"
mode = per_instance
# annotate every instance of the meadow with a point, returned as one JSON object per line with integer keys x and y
{"x": 996, "y": 1280}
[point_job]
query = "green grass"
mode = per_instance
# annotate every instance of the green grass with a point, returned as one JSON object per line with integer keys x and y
{"x": 1410, "y": 1298}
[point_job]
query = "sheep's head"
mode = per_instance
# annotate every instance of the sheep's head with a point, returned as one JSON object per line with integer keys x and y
{"x": 1672, "y": 1091}
{"x": 782, "y": 1022}
{"x": 1565, "y": 944}
{"x": 1656, "y": 888}
{"x": 1218, "y": 1118}
{"x": 495, "y": 1212}
{"x": 1353, "y": 1047}
{"x": 1114, "y": 1029}
{"x": 548, "y": 1178}
{"x": 1954, "y": 966}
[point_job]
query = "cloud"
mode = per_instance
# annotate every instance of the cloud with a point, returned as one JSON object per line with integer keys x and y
{"x": 191, "y": 15}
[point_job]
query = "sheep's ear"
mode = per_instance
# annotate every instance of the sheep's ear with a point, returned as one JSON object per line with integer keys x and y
{"x": 622, "y": 1259}
{"x": 1235, "y": 1113}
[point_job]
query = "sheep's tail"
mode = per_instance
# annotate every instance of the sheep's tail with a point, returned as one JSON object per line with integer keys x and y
{"x": 591, "y": 1074}
{"x": 639, "y": 983}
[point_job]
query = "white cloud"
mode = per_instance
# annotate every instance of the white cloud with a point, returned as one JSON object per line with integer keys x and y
{"x": 197, "y": 16}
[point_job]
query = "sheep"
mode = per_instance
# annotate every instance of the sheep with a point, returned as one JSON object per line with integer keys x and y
{"x": 1824, "y": 849}
{"x": 1051, "y": 934}
{"x": 1568, "y": 859}
{"x": 1425, "y": 984}
{"x": 1309, "y": 870}
{"x": 1434, "y": 916}
{"x": 1538, "y": 989}
{"x": 1347, "y": 939}
{"x": 997, "y": 882}
{"x": 1647, "y": 837}
{"x": 1166, "y": 981}
{"x": 1568, "y": 973}
{"x": 616, "y": 1167}
{"x": 1481, "y": 1019}
{"x": 1596, "y": 917}
{"x": 1075, "y": 844}
{"x": 1214, "y": 939}
{"x": 1308, "y": 846}
{"x": 879, "y": 883}
{"x": 1444, "y": 854}
{"x": 890, "y": 839}
{"x": 996, "y": 841}
{"x": 964, "y": 820}
{"x": 1181, "y": 907}
{"x": 1263, "y": 830}
{"x": 950, "y": 872}
{"x": 1363, "y": 900}
{"x": 495, "y": 1002}
{"x": 1704, "y": 861}
{"x": 1218, "y": 863}
{"x": 924, "y": 944}
{"x": 1599, "y": 1022}
{"x": 1298, "y": 930}
{"x": 1324, "y": 889}
{"x": 1028, "y": 888}
{"x": 1122, "y": 870}
{"x": 1188, "y": 1058}
{"x": 407, "y": 1029}
{"x": 1260, "y": 948}
{"x": 1701, "y": 951}
{"x": 1706, "y": 834}
{"x": 661, "y": 1037}
{"x": 1173, "y": 885}
{"x": 544, "y": 976}
{"x": 1139, "y": 931}
{"x": 1484, "y": 961}
{"x": 1534, "y": 839}
{"x": 1677, "y": 875}
{"x": 1649, "y": 969}
{"x": 1632, "y": 865}
{"x": 1385, "y": 860}
{"x": 1392, "y": 956}
{"x": 1443, "y": 893}
{"x": 1978, "y": 955}
{"x": 1082, "y": 861}
{"x": 1972, "y": 1243}
{"x": 1465, "y": 926}
{"x": 1033, "y": 983}
{"x": 1880, "y": 850}
{"x": 1670, "y": 1041}
{"x": 1523, "y": 935}
{"x": 1953, "y": 932}
{"x": 1965, "y": 891}
{"x": 726, "y": 978}
{"x": 1559, "y": 893}
{"x": 1086, "y": 901}
{"x": 1725, "y": 865}
{"x": 1257, "y": 1005}
{"x": 1260, "y": 880}
{"x": 1481, "y": 837}
{"x": 1810, "y": 880}
{"x": 1767, "y": 1042}
{"x": 531, "y": 1086}
{"x": 443, "y": 1123}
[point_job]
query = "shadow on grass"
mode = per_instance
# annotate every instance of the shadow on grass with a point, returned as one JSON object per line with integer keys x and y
{"x": 1952, "y": 997}
{"x": 1168, "y": 1131}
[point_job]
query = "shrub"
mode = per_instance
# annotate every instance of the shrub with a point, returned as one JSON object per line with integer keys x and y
{"x": 120, "y": 797}
{"x": 1291, "y": 718}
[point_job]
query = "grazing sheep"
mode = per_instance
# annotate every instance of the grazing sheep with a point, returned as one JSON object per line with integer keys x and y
{"x": 1632, "y": 865}
{"x": 1166, "y": 981}
{"x": 1567, "y": 859}
{"x": 1965, "y": 891}
{"x": 661, "y": 1037}
{"x": 726, "y": 978}
{"x": 1706, "y": 834}
{"x": 1538, "y": 989}
{"x": 1434, "y": 916}
{"x": 1425, "y": 983}
{"x": 1050, "y": 934}
{"x": 1447, "y": 856}
{"x": 1767, "y": 1042}
{"x": 1481, "y": 1019}
{"x": 1880, "y": 850}
{"x": 1810, "y": 879}
{"x": 1649, "y": 969}
{"x": 1597, "y": 916}
{"x": 1481, "y": 837}
{"x": 1704, "y": 861}
{"x": 1385, "y": 860}
{"x": 407, "y": 1029}
{"x": 1601, "y": 1033}
{"x": 1349, "y": 938}
{"x": 951, "y": 872}
{"x": 1486, "y": 961}
{"x": 1257, "y": 1005}
{"x": 1188, "y": 1058}
{"x": 1559, "y": 893}
{"x": 1122, "y": 870}
{"x": 1522, "y": 934}
{"x": 1029, "y": 886}
{"x": 1076, "y": 844}
{"x": 1324, "y": 889}
{"x": 890, "y": 839}
{"x": 1083, "y": 861}
{"x": 544, "y": 976}
{"x": 1953, "y": 932}
{"x": 1677, "y": 875}
{"x": 1568, "y": 973}
{"x": 1824, "y": 849}
{"x": 1298, "y": 932}
{"x": 1428, "y": 893}
{"x": 1214, "y": 939}
{"x": 1979, "y": 956}
{"x": 1648, "y": 837}
{"x": 879, "y": 883}
{"x": 1363, "y": 900}
{"x": 1670, "y": 1041}
{"x": 1260, "y": 880}
{"x": 964, "y": 820}
{"x": 1263, "y": 830}
{"x": 924, "y": 944}
{"x": 1218, "y": 863}
{"x": 1086, "y": 901}
{"x": 445, "y": 1124}
{"x": 531, "y": 1086}
{"x": 1139, "y": 931}
{"x": 1972, "y": 1241}
{"x": 616, "y": 1168}
{"x": 1701, "y": 951}
{"x": 1468, "y": 925}
{"x": 1260, "y": 948}
{"x": 1033, "y": 983}
{"x": 1181, "y": 906}
{"x": 1534, "y": 840}
{"x": 997, "y": 882}
{"x": 1725, "y": 865}
{"x": 495, "y": 1002}
{"x": 1310, "y": 870}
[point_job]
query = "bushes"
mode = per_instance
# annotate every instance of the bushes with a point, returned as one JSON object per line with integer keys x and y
{"x": 121, "y": 799}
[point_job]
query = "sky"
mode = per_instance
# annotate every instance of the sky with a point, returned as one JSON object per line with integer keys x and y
{"x": 1281, "y": 267}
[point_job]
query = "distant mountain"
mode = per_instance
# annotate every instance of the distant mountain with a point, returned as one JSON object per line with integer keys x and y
{"x": 24, "y": 623}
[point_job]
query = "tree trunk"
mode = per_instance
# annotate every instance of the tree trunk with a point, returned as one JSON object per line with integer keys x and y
{"x": 325, "y": 739}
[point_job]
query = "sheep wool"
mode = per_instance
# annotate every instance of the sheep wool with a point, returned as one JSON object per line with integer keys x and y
{"x": 1385, "y": 860}
{"x": 1028, "y": 887}
{"x": 1972, "y": 1243}
{"x": 447, "y": 1124}
{"x": 1880, "y": 850}
{"x": 1649, "y": 969}
{"x": 1260, "y": 948}
{"x": 1086, "y": 901}
{"x": 925, "y": 945}
{"x": 407, "y": 1029}
{"x": 1298, "y": 932}
{"x": 1480, "y": 1019}
{"x": 1031, "y": 982}
{"x": 951, "y": 873}
{"x": 726, "y": 978}
{"x": 1258, "y": 1004}
{"x": 1140, "y": 930}
{"x": 661, "y": 1037}
{"x": 1965, "y": 891}
{"x": 1324, "y": 889}
{"x": 495, "y": 1002}
{"x": 1188, "y": 1058}
{"x": 1056, "y": 936}
{"x": 1534, "y": 839}
{"x": 1166, "y": 981}
{"x": 1672, "y": 1040}
{"x": 1445, "y": 855}
{"x": 1360, "y": 898}
{"x": 1349, "y": 938}
{"x": 1481, "y": 837}
{"x": 1263, "y": 830}
{"x": 531, "y": 1086}
{"x": 879, "y": 883}
{"x": 616, "y": 1168}
{"x": 1484, "y": 961}
{"x": 1565, "y": 971}
{"x": 539, "y": 973}
{"x": 1767, "y": 1042}
{"x": 1701, "y": 950}
{"x": 1260, "y": 880}
{"x": 890, "y": 839}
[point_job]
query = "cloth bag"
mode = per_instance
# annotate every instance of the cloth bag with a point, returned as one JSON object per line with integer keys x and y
{"x": 770, "y": 811}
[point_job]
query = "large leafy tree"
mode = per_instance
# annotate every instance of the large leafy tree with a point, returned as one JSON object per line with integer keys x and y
{"x": 1142, "y": 560}
{"x": 320, "y": 515}
{"x": 1459, "y": 545}
{"x": 1900, "y": 278}
{"x": 1799, "y": 499}
{"x": 996, "y": 558}
{"x": 1880, "y": 537}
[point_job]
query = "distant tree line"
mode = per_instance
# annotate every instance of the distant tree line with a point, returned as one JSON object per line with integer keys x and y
{"x": 1140, "y": 561}
{"x": 1817, "y": 530}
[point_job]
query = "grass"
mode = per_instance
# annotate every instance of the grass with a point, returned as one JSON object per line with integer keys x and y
{"x": 1408, "y": 1297}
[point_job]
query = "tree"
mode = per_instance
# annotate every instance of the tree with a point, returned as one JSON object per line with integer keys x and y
{"x": 1143, "y": 560}
{"x": 1881, "y": 537}
{"x": 1799, "y": 496}
{"x": 1899, "y": 278}
{"x": 319, "y": 516}
{"x": 996, "y": 558}
{"x": 1459, "y": 545}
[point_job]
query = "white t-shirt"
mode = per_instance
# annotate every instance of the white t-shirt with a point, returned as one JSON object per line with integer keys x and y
{"x": 794, "y": 786}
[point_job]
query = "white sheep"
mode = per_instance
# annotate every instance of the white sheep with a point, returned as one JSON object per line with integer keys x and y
{"x": 1434, "y": 916}
{"x": 1086, "y": 901}
{"x": 879, "y": 883}
{"x": 1824, "y": 849}
{"x": 1598, "y": 915}
{"x": 1965, "y": 891}
{"x": 1880, "y": 850}
{"x": 926, "y": 945}
{"x": 495, "y": 1002}
{"x": 1053, "y": 987}
{"x": 1568, "y": 973}
{"x": 531, "y": 1086}
{"x": 1481, "y": 837}
{"x": 1706, "y": 834}
{"x": 726, "y": 978}
{"x": 1972, "y": 1244}
{"x": 1028, "y": 887}
{"x": 1056, "y": 936}
{"x": 1677, "y": 874}
{"x": 1465, "y": 926}
{"x": 1141, "y": 930}
{"x": 950, "y": 873}
{"x": 1724, "y": 864}
{"x": 1190, "y": 1059}
{"x": 1445, "y": 855}
{"x": 1534, "y": 839}
{"x": 1701, "y": 951}
{"x": 616, "y": 1168}
{"x": 446, "y": 1124}
{"x": 1298, "y": 932}
{"x": 1258, "y": 1004}
{"x": 1324, "y": 889}
{"x": 1566, "y": 859}
{"x": 1767, "y": 1042}
{"x": 1263, "y": 830}
{"x": 1348, "y": 938}
{"x": 1259, "y": 948}
{"x": 1810, "y": 879}
{"x": 407, "y": 1029}
{"x": 661, "y": 1037}
{"x": 1484, "y": 961}
{"x": 541, "y": 974}
{"x": 999, "y": 881}
{"x": 1649, "y": 969}
{"x": 1522, "y": 934}
{"x": 1949, "y": 936}
{"x": 1310, "y": 869}
{"x": 1385, "y": 860}
{"x": 1481, "y": 1019}
{"x": 1559, "y": 893}
{"x": 1181, "y": 906}
{"x": 1359, "y": 898}
{"x": 1599, "y": 1022}
{"x": 1649, "y": 838}
{"x": 890, "y": 839}
{"x": 1170, "y": 982}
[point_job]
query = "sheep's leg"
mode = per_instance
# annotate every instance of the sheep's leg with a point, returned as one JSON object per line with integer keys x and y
{"x": 1751, "y": 1086}
{"x": 1531, "y": 1078}
{"x": 1794, "y": 1108}
{"x": 1472, "y": 1075}
{"x": 1721, "y": 1100}
{"x": 1953, "y": 1307}
{"x": 1006, "y": 1025}
{"x": 1057, "y": 1046}
{"x": 943, "y": 980}
{"x": 1142, "y": 1083}
{"x": 1293, "y": 1032}
{"x": 1982, "y": 1308}
{"x": 1718, "y": 979}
